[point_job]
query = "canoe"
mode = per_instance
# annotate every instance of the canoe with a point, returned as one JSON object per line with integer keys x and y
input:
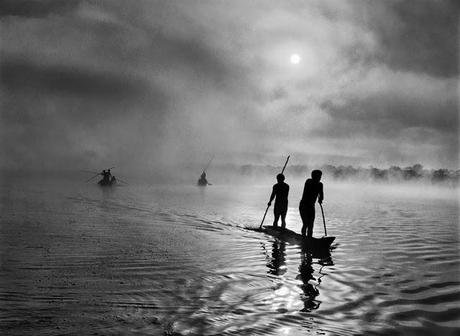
{"x": 323, "y": 243}
{"x": 202, "y": 182}
{"x": 110, "y": 183}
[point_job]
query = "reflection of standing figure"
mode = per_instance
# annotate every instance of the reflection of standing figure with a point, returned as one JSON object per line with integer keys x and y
{"x": 305, "y": 275}
{"x": 281, "y": 192}
{"x": 278, "y": 260}
{"x": 313, "y": 190}
{"x": 277, "y": 266}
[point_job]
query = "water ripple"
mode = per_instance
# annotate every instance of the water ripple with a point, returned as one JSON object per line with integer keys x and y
{"x": 153, "y": 261}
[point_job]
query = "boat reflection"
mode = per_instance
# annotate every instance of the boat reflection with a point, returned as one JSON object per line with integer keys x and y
{"x": 309, "y": 284}
{"x": 277, "y": 263}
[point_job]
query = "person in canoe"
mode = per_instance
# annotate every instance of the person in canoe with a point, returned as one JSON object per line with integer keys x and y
{"x": 312, "y": 191}
{"x": 105, "y": 177}
{"x": 203, "y": 181}
{"x": 280, "y": 194}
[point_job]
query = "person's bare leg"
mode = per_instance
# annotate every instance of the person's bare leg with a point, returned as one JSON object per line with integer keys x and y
{"x": 283, "y": 220}
{"x": 310, "y": 226}
{"x": 304, "y": 222}
{"x": 275, "y": 222}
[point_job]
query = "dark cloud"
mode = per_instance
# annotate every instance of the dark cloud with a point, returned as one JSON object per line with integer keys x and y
{"x": 23, "y": 75}
{"x": 386, "y": 114}
{"x": 53, "y": 131}
{"x": 108, "y": 87}
{"x": 166, "y": 81}
{"x": 36, "y": 8}
{"x": 420, "y": 36}
{"x": 192, "y": 54}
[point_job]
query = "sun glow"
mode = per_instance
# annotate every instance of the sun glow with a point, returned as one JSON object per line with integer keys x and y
{"x": 295, "y": 59}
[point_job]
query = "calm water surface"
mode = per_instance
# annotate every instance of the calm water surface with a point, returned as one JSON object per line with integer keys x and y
{"x": 179, "y": 260}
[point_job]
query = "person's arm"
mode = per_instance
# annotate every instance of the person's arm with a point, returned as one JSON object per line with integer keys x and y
{"x": 321, "y": 194}
{"x": 272, "y": 196}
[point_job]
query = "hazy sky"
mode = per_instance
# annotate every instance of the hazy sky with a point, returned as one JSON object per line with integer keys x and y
{"x": 148, "y": 84}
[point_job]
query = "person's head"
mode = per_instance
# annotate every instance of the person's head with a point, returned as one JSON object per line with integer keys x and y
{"x": 316, "y": 175}
{"x": 103, "y": 171}
{"x": 280, "y": 177}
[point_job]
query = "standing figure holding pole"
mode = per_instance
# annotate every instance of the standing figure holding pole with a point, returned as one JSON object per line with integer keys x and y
{"x": 281, "y": 206}
{"x": 281, "y": 192}
{"x": 313, "y": 190}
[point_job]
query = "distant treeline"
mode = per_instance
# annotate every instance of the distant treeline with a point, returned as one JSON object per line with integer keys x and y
{"x": 391, "y": 174}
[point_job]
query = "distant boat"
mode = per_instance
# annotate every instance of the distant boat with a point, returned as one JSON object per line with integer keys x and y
{"x": 202, "y": 181}
{"x": 108, "y": 183}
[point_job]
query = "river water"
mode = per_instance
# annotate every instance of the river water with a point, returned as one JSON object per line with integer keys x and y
{"x": 179, "y": 260}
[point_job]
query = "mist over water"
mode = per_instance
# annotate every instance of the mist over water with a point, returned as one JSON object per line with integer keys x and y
{"x": 149, "y": 85}
{"x": 150, "y": 259}
{"x": 366, "y": 91}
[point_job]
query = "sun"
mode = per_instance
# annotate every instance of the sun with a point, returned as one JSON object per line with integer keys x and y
{"x": 295, "y": 59}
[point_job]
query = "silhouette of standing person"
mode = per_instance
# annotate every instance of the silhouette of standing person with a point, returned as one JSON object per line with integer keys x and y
{"x": 280, "y": 191}
{"x": 312, "y": 190}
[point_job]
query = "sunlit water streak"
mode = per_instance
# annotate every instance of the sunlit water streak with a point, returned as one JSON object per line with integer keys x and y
{"x": 76, "y": 259}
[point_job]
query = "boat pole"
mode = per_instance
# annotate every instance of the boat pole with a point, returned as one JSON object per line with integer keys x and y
{"x": 266, "y": 210}
{"x": 324, "y": 221}
{"x": 285, "y": 164}
{"x": 265, "y": 214}
{"x": 209, "y": 163}
{"x": 93, "y": 177}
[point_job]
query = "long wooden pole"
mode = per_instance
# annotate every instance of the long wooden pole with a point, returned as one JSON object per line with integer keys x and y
{"x": 285, "y": 164}
{"x": 268, "y": 206}
{"x": 209, "y": 163}
{"x": 324, "y": 221}
{"x": 93, "y": 177}
{"x": 265, "y": 214}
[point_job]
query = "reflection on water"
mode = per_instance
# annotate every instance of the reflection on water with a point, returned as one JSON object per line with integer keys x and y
{"x": 310, "y": 292}
{"x": 309, "y": 284}
{"x": 277, "y": 263}
{"x": 172, "y": 259}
